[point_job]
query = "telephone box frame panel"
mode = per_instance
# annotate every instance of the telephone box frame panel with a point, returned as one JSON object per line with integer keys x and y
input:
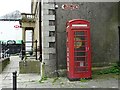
{"x": 78, "y": 35}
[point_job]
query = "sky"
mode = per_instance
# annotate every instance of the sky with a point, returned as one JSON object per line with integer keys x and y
{"x": 7, "y": 6}
{"x": 7, "y": 30}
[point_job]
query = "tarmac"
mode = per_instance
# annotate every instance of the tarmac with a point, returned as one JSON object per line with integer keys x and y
{"x": 33, "y": 80}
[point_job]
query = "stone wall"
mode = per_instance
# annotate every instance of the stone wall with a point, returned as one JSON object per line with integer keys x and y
{"x": 29, "y": 66}
{"x": 103, "y": 17}
{"x": 3, "y": 63}
{"x": 48, "y": 38}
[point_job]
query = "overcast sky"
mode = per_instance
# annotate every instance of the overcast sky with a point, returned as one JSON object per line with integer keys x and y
{"x": 7, "y": 6}
{"x": 7, "y": 30}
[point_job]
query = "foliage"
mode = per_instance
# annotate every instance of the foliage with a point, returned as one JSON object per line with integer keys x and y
{"x": 118, "y": 63}
{"x": 42, "y": 79}
{"x": 83, "y": 80}
{"x": 55, "y": 79}
{"x": 115, "y": 69}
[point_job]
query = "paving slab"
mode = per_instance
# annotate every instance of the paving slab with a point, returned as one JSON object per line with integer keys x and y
{"x": 7, "y": 77}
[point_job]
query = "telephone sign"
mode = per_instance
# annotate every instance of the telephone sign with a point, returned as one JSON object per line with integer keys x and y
{"x": 70, "y": 6}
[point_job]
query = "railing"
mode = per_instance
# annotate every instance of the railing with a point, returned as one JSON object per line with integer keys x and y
{"x": 28, "y": 17}
{"x": 4, "y": 52}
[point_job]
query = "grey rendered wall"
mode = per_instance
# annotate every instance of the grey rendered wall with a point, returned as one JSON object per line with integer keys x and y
{"x": 103, "y": 17}
{"x": 119, "y": 27}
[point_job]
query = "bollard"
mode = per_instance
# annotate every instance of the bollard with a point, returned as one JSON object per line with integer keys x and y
{"x": 22, "y": 50}
{"x": 15, "y": 80}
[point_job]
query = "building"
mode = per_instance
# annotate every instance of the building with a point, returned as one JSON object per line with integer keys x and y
{"x": 49, "y": 28}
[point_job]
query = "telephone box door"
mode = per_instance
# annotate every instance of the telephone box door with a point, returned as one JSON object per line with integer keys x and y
{"x": 81, "y": 51}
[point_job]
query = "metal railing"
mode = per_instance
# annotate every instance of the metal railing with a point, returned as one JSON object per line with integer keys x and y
{"x": 4, "y": 51}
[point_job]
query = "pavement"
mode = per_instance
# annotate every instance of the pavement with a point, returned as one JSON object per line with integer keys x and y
{"x": 33, "y": 80}
{"x": 7, "y": 75}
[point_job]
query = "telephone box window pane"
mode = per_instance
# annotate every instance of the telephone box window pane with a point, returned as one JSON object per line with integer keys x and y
{"x": 80, "y": 45}
{"x": 80, "y": 58}
{"x": 78, "y": 38}
{"x": 80, "y": 63}
{"x": 80, "y": 49}
{"x": 79, "y": 53}
{"x": 80, "y": 33}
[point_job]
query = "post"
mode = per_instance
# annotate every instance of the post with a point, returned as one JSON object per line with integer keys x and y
{"x": 22, "y": 50}
{"x": 36, "y": 49}
{"x": 2, "y": 50}
{"x": 40, "y": 32}
{"x": 15, "y": 80}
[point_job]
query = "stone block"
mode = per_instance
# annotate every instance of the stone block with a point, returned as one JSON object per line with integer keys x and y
{"x": 46, "y": 40}
{"x": 45, "y": 23}
{"x": 45, "y": 12}
{"x": 49, "y": 39}
{"x": 45, "y": 44}
{"x": 52, "y": 56}
{"x": 49, "y": 17}
{"x": 48, "y": 50}
{"x": 48, "y": 6}
{"x": 3, "y": 63}
{"x": 29, "y": 66}
{"x": 49, "y": 28}
{"x": 46, "y": 56}
{"x": 45, "y": 1}
{"x": 50, "y": 71}
{"x": 46, "y": 33}
{"x": 50, "y": 62}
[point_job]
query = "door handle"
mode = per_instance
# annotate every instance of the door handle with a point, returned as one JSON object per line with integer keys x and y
{"x": 87, "y": 49}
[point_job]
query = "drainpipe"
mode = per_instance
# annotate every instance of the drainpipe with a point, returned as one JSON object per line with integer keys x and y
{"x": 40, "y": 34}
{"x": 119, "y": 41}
{"x": 119, "y": 27}
{"x": 56, "y": 7}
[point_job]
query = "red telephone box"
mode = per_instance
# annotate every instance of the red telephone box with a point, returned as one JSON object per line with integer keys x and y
{"x": 78, "y": 49}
